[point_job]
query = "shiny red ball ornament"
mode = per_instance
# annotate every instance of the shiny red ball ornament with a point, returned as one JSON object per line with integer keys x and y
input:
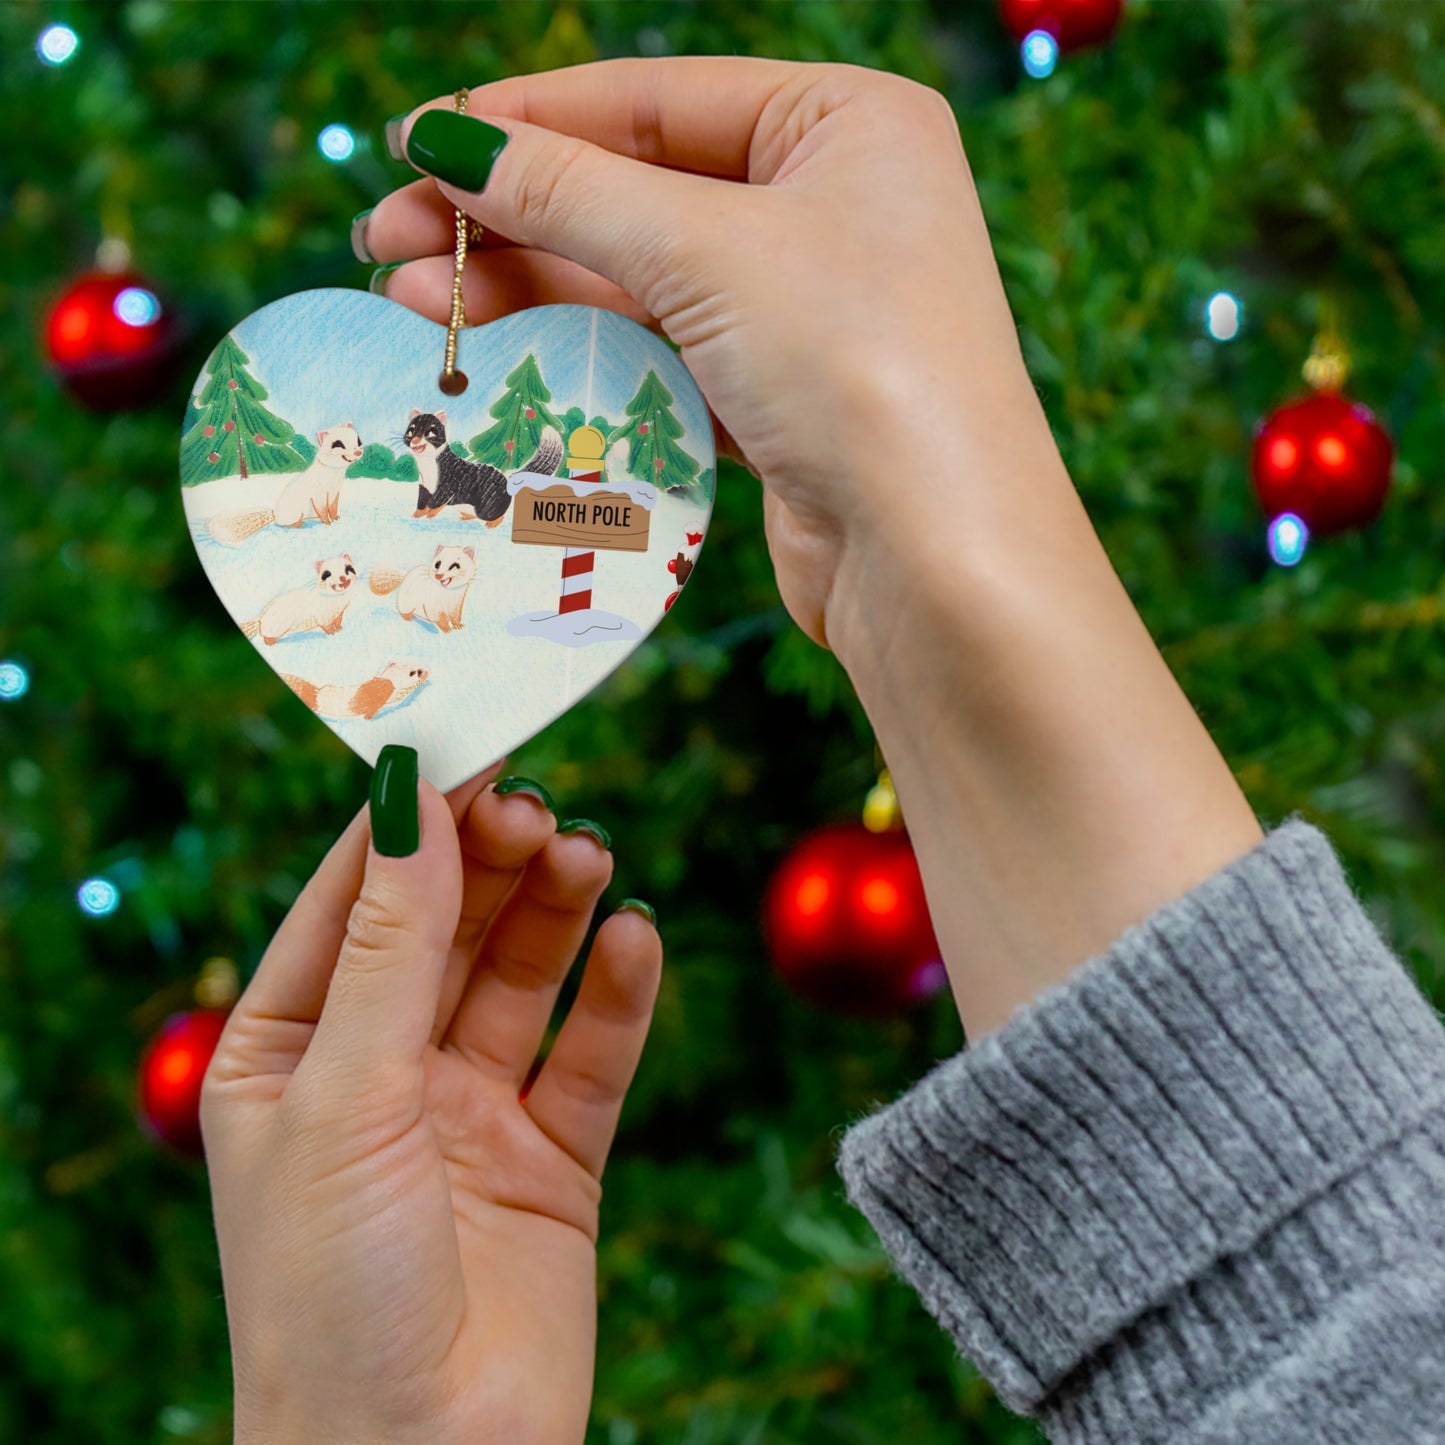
{"x": 111, "y": 341}
{"x": 171, "y": 1071}
{"x": 847, "y": 923}
{"x": 1326, "y": 459}
{"x": 1073, "y": 23}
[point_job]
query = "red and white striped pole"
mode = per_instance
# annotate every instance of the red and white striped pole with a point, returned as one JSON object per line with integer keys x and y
{"x": 584, "y": 464}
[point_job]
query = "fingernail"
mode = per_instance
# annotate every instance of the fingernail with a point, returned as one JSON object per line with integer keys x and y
{"x": 395, "y": 820}
{"x": 586, "y": 825}
{"x": 509, "y": 786}
{"x": 636, "y": 905}
{"x": 379, "y": 278}
{"x": 455, "y": 148}
{"x": 359, "y": 248}
{"x": 393, "y": 137}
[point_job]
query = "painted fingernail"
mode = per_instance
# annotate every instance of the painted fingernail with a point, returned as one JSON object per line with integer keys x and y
{"x": 379, "y": 278}
{"x": 585, "y": 825}
{"x": 393, "y": 137}
{"x": 508, "y": 786}
{"x": 359, "y": 248}
{"x": 395, "y": 820}
{"x": 636, "y": 905}
{"x": 455, "y": 148}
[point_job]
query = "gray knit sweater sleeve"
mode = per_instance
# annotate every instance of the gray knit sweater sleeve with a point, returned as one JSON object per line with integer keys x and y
{"x": 1196, "y": 1192}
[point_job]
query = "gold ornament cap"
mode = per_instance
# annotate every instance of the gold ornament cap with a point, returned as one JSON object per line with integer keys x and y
{"x": 219, "y": 985}
{"x": 881, "y": 813}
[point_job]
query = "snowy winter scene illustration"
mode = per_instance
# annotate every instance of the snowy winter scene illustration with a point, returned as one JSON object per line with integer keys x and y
{"x": 448, "y": 572}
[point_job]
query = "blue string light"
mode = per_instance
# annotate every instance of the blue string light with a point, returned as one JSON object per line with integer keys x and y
{"x": 136, "y": 306}
{"x": 1223, "y": 316}
{"x": 57, "y": 44}
{"x": 14, "y": 681}
{"x": 98, "y": 897}
{"x": 336, "y": 143}
{"x": 1040, "y": 54}
{"x": 1288, "y": 538}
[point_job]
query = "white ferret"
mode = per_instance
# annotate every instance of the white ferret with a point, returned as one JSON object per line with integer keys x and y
{"x": 391, "y": 686}
{"x": 434, "y": 592}
{"x": 316, "y": 492}
{"x": 322, "y": 605}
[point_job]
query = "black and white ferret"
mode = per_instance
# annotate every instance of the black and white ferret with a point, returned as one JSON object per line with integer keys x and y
{"x": 477, "y": 489}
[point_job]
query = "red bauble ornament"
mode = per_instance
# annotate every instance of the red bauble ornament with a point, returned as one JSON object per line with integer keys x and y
{"x": 531, "y": 412}
{"x": 1324, "y": 458}
{"x": 111, "y": 341}
{"x": 642, "y": 430}
{"x": 847, "y": 923}
{"x": 1073, "y": 23}
{"x": 171, "y": 1071}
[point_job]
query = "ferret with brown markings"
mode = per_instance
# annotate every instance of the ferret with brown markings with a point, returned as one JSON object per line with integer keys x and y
{"x": 389, "y": 688}
{"x": 320, "y": 606}
{"x": 436, "y": 592}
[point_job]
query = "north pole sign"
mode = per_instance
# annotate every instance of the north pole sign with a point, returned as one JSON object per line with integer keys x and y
{"x": 580, "y": 514}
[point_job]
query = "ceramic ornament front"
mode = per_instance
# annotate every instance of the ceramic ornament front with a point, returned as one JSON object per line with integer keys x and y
{"x": 447, "y": 572}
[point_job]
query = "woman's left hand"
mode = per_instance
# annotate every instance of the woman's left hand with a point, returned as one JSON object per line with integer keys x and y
{"x": 407, "y": 1244}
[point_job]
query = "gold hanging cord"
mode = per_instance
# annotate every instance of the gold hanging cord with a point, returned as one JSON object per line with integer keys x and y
{"x": 452, "y": 381}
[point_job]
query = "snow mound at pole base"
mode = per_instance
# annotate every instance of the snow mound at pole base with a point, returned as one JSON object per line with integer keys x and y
{"x": 575, "y": 629}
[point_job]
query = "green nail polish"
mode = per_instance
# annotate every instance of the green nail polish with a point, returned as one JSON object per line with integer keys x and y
{"x": 395, "y": 820}
{"x": 392, "y": 131}
{"x": 525, "y": 785}
{"x": 455, "y": 148}
{"x": 379, "y": 277}
{"x": 586, "y": 825}
{"x": 359, "y": 248}
{"x": 636, "y": 905}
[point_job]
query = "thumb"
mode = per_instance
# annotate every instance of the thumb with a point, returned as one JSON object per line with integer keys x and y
{"x": 382, "y": 999}
{"x": 635, "y": 224}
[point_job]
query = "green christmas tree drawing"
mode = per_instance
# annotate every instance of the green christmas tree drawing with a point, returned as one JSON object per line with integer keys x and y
{"x": 574, "y": 417}
{"x": 235, "y": 435}
{"x": 652, "y": 433}
{"x": 521, "y": 413}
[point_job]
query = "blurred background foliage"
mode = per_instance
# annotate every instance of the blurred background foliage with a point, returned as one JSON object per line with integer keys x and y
{"x": 1291, "y": 154}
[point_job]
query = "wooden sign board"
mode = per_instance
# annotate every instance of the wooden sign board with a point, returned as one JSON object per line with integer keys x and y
{"x": 559, "y": 517}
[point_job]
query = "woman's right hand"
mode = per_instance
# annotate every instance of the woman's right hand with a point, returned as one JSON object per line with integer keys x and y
{"x": 808, "y": 235}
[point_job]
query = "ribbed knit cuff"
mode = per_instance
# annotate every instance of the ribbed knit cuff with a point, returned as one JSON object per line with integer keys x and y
{"x": 1168, "y": 1152}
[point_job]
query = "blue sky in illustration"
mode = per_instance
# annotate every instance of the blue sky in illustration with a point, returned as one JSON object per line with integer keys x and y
{"x": 332, "y": 356}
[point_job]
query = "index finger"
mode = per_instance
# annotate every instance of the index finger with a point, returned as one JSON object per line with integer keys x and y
{"x": 689, "y": 113}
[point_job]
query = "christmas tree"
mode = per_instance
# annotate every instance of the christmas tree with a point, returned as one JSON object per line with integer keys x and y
{"x": 1277, "y": 153}
{"x": 651, "y": 432}
{"x": 234, "y": 435}
{"x": 521, "y": 413}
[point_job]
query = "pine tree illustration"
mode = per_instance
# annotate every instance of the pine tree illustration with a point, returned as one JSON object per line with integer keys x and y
{"x": 521, "y": 413}
{"x": 235, "y": 435}
{"x": 652, "y": 433}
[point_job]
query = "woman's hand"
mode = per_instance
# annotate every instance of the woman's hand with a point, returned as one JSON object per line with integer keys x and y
{"x": 408, "y": 1247}
{"x": 810, "y": 238}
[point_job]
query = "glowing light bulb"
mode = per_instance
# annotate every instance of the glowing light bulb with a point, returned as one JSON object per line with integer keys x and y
{"x": 336, "y": 143}
{"x": 177, "y": 1067}
{"x": 136, "y": 306}
{"x": 57, "y": 44}
{"x": 1223, "y": 316}
{"x": 879, "y": 897}
{"x": 1283, "y": 454}
{"x": 14, "y": 681}
{"x": 1288, "y": 538}
{"x": 1331, "y": 451}
{"x": 98, "y": 897}
{"x": 1040, "y": 54}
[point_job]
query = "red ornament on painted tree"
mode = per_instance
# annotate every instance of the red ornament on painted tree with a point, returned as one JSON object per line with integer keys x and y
{"x": 1073, "y": 23}
{"x": 847, "y": 923}
{"x": 111, "y": 341}
{"x": 1324, "y": 458}
{"x": 171, "y": 1071}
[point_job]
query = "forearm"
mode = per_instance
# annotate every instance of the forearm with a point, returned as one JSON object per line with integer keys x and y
{"x": 1057, "y": 784}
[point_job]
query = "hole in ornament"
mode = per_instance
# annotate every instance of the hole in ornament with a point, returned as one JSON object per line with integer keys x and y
{"x": 453, "y": 385}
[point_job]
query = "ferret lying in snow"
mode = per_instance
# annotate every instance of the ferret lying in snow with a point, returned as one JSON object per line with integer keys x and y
{"x": 322, "y": 605}
{"x": 316, "y": 492}
{"x": 434, "y": 592}
{"x": 391, "y": 686}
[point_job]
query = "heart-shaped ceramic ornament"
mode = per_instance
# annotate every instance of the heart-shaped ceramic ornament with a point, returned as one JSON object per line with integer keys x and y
{"x": 451, "y": 572}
